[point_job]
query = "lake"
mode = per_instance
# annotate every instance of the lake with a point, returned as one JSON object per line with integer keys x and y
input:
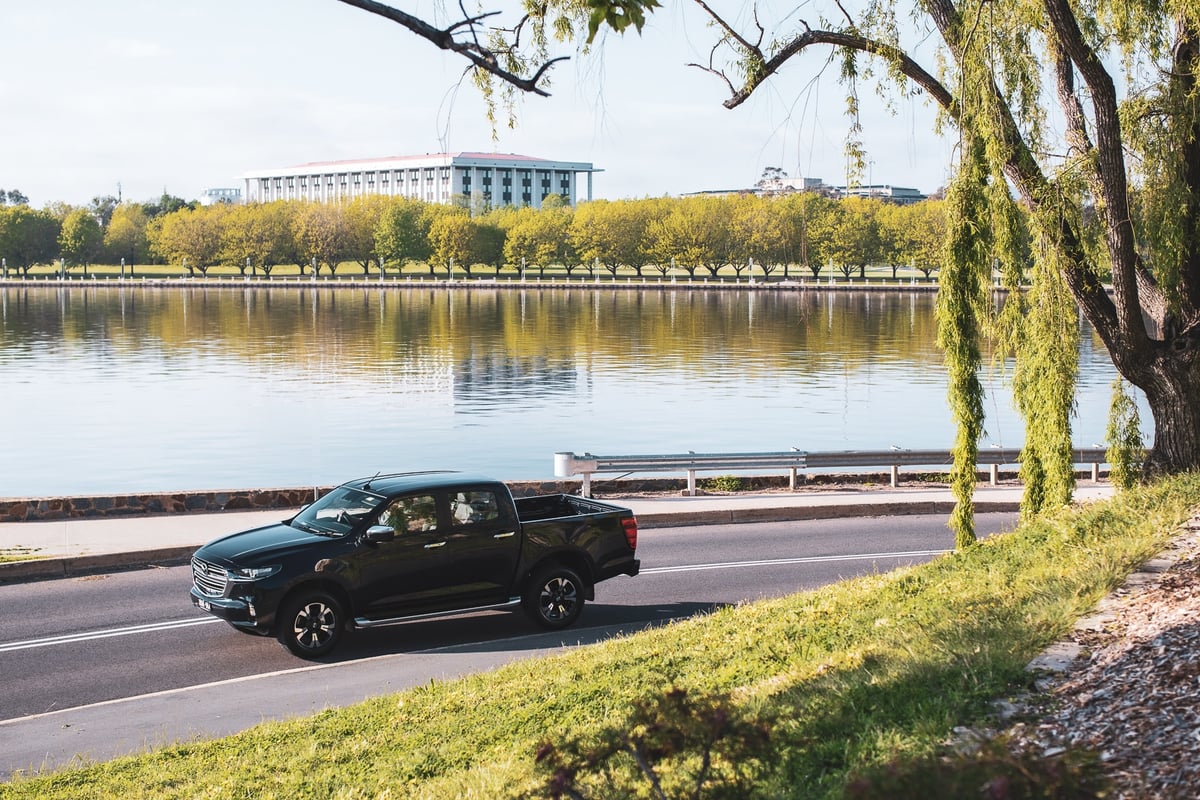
{"x": 140, "y": 388}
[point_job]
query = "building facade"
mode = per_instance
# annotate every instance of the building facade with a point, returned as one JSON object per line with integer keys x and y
{"x": 212, "y": 197}
{"x": 497, "y": 179}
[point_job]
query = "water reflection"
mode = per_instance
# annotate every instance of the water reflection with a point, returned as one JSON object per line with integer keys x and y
{"x": 139, "y": 389}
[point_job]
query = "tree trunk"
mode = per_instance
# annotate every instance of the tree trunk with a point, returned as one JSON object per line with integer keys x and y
{"x": 1172, "y": 386}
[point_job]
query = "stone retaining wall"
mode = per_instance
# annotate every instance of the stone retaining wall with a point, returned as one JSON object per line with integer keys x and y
{"x": 41, "y": 509}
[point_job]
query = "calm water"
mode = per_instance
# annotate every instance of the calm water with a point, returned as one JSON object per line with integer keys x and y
{"x": 143, "y": 389}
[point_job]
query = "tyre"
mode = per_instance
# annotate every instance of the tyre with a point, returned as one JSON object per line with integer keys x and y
{"x": 554, "y": 598}
{"x": 311, "y": 623}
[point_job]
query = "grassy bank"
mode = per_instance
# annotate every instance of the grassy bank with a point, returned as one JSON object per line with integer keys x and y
{"x": 847, "y": 677}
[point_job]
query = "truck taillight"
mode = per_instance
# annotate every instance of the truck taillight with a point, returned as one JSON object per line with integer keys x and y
{"x": 630, "y": 526}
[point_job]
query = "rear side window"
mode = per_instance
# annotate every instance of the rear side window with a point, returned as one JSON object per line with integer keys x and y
{"x": 474, "y": 507}
{"x": 411, "y": 514}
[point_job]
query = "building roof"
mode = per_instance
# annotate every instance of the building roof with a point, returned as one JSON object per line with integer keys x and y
{"x": 466, "y": 158}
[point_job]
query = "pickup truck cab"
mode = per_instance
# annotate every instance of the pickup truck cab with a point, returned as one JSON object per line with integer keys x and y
{"x": 393, "y": 548}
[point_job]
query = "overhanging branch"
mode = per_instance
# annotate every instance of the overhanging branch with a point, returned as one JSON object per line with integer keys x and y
{"x": 480, "y": 56}
{"x": 813, "y": 37}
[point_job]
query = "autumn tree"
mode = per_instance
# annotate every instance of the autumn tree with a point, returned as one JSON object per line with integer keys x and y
{"x": 362, "y": 217}
{"x": 81, "y": 240}
{"x": 806, "y": 220}
{"x": 913, "y": 235}
{"x": 757, "y": 234}
{"x": 322, "y": 235}
{"x": 454, "y": 241}
{"x": 694, "y": 233}
{"x": 258, "y": 236}
{"x": 539, "y": 239}
{"x": 402, "y": 232}
{"x": 125, "y": 235}
{"x": 189, "y": 237}
{"x": 614, "y": 233}
{"x": 27, "y": 237}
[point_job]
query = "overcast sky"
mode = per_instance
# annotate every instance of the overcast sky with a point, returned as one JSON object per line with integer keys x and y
{"x": 183, "y": 95}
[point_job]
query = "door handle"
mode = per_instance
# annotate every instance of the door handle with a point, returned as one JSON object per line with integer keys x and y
{"x": 506, "y": 535}
{"x": 432, "y": 545}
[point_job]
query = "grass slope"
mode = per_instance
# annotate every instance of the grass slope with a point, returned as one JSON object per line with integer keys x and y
{"x": 849, "y": 676}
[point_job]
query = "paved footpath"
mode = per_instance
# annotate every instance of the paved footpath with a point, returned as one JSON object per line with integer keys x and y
{"x": 69, "y": 547}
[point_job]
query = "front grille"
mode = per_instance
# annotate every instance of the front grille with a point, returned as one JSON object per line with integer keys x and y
{"x": 209, "y": 578}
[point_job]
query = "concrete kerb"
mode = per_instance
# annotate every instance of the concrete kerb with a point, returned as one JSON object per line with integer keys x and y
{"x": 52, "y": 568}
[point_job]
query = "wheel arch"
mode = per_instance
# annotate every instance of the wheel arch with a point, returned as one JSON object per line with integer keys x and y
{"x": 576, "y": 561}
{"x": 334, "y": 588}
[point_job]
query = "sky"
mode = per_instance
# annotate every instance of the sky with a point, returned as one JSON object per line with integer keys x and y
{"x": 137, "y": 97}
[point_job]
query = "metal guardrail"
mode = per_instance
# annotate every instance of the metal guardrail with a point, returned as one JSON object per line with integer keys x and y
{"x": 567, "y": 465}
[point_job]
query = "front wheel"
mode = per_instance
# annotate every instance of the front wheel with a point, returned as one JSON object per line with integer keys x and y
{"x": 554, "y": 598}
{"x": 310, "y": 624}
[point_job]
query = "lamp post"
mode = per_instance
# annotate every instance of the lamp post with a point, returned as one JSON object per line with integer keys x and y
{"x": 122, "y": 269}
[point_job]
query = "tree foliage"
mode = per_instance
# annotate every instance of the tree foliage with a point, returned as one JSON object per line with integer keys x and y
{"x": 28, "y": 237}
{"x": 81, "y": 239}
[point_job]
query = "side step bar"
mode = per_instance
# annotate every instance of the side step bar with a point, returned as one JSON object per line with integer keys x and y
{"x": 363, "y": 622}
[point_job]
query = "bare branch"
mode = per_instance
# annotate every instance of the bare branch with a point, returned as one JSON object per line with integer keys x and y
{"x": 810, "y": 37}
{"x": 481, "y": 56}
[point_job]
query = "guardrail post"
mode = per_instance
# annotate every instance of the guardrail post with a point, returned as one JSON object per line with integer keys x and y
{"x": 995, "y": 474}
{"x": 1095, "y": 472}
{"x": 895, "y": 475}
{"x": 792, "y": 479}
{"x": 586, "y": 489}
{"x": 691, "y": 483}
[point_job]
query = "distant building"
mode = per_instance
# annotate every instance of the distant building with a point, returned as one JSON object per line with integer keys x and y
{"x": 498, "y": 179}
{"x": 778, "y": 184}
{"x": 782, "y": 184}
{"x": 899, "y": 195}
{"x": 211, "y": 197}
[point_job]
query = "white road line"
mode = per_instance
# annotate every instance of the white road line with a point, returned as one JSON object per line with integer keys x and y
{"x": 87, "y": 636}
{"x": 784, "y": 561}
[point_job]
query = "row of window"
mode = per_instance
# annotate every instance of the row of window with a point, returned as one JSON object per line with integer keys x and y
{"x": 413, "y": 178}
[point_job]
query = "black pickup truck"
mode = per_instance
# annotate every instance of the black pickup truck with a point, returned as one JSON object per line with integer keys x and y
{"x": 393, "y": 548}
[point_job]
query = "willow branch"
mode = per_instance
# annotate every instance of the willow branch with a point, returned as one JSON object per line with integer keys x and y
{"x": 479, "y": 55}
{"x": 812, "y": 37}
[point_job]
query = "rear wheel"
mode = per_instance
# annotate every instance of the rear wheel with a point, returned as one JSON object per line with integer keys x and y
{"x": 554, "y": 598}
{"x": 310, "y": 624}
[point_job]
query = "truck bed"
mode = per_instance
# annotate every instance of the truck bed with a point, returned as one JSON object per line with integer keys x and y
{"x": 557, "y": 506}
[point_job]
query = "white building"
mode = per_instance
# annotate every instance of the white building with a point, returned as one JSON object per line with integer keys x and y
{"x": 211, "y": 197}
{"x": 500, "y": 179}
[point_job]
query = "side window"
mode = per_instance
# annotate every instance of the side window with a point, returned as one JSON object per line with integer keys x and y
{"x": 411, "y": 514}
{"x": 470, "y": 508}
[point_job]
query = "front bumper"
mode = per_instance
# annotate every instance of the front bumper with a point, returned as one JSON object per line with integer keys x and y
{"x": 237, "y": 611}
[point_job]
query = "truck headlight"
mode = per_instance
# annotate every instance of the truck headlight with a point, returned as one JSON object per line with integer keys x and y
{"x": 253, "y": 573}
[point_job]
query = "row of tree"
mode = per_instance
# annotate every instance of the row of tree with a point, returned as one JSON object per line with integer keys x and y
{"x": 697, "y": 235}
{"x": 78, "y": 235}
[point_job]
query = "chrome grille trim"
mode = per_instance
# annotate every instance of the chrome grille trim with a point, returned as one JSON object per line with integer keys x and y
{"x": 208, "y": 578}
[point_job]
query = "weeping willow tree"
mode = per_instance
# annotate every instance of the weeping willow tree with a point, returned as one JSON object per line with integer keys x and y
{"x": 1073, "y": 110}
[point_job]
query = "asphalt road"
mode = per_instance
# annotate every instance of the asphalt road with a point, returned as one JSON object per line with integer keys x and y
{"x": 106, "y": 664}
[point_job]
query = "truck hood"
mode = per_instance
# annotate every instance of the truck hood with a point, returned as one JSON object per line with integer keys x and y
{"x": 257, "y": 546}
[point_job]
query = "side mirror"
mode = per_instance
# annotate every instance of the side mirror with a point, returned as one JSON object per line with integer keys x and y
{"x": 376, "y": 534}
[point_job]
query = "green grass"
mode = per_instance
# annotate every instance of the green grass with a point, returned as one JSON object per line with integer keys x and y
{"x": 849, "y": 677}
{"x": 18, "y": 553}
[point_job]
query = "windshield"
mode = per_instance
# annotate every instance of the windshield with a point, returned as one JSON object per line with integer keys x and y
{"x": 338, "y": 512}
